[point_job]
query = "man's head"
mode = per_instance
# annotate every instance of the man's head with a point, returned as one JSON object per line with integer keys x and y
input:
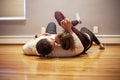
{"x": 45, "y": 46}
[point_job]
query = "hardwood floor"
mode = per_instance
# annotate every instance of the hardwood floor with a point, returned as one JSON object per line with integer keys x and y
{"x": 95, "y": 65}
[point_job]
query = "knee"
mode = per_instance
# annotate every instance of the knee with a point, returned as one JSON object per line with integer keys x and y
{"x": 51, "y": 28}
{"x": 51, "y": 24}
{"x": 83, "y": 28}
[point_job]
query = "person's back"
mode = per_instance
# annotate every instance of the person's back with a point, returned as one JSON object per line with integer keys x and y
{"x": 59, "y": 51}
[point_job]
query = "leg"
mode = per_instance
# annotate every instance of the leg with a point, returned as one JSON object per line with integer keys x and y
{"x": 51, "y": 28}
{"x": 92, "y": 37}
{"x": 75, "y": 22}
{"x": 59, "y": 17}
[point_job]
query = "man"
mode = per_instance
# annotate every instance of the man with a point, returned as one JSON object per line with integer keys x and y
{"x": 47, "y": 39}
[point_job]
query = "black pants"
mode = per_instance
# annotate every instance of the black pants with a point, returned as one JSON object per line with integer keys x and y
{"x": 83, "y": 37}
{"x": 93, "y": 38}
{"x": 86, "y": 42}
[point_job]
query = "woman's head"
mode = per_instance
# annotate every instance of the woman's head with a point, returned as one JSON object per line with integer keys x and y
{"x": 66, "y": 40}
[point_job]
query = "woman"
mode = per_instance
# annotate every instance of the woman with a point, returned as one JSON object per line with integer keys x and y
{"x": 85, "y": 36}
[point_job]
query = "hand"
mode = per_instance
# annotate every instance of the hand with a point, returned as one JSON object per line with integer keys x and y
{"x": 66, "y": 25}
{"x": 46, "y": 34}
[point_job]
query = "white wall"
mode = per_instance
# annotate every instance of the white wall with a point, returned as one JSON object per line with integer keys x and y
{"x": 102, "y": 13}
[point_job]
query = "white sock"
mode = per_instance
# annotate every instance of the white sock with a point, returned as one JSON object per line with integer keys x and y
{"x": 77, "y": 16}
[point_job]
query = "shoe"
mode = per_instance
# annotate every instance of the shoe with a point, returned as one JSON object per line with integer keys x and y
{"x": 59, "y": 16}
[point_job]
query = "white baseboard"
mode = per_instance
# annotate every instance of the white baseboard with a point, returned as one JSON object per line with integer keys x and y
{"x": 107, "y": 39}
{"x": 15, "y": 39}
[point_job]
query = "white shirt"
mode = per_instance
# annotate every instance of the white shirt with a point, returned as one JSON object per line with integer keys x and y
{"x": 59, "y": 52}
{"x": 30, "y": 47}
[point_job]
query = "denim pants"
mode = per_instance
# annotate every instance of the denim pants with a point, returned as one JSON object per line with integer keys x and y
{"x": 51, "y": 28}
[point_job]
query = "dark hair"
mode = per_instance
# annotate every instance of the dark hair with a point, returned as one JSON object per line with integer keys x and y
{"x": 44, "y": 47}
{"x": 66, "y": 40}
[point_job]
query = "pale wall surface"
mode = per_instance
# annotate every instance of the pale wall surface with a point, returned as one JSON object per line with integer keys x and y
{"x": 102, "y": 13}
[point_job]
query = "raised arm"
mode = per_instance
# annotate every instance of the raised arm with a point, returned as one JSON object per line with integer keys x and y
{"x": 66, "y": 25}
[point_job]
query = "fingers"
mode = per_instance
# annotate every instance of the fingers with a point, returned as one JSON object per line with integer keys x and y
{"x": 66, "y": 24}
{"x": 65, "y": 21}
{"x": 62, "y": 24}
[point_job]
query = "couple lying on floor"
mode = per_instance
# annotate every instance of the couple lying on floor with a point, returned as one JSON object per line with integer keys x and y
{"x": 71, "y": 42}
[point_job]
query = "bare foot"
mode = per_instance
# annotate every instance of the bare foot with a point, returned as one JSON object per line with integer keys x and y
{"x": 101, "y": 47}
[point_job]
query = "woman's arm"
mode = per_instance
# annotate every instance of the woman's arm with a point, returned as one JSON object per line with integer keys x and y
{"x": 66, "y": 25}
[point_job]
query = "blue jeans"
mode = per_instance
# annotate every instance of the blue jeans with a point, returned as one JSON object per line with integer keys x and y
{"x": 51, "y": 28}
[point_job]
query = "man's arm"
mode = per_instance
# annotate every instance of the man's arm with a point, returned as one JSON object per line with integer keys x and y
{"x": 44, "y": 34}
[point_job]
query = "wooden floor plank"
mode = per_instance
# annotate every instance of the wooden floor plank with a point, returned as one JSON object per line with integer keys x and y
{"x": 95, "y": 65}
